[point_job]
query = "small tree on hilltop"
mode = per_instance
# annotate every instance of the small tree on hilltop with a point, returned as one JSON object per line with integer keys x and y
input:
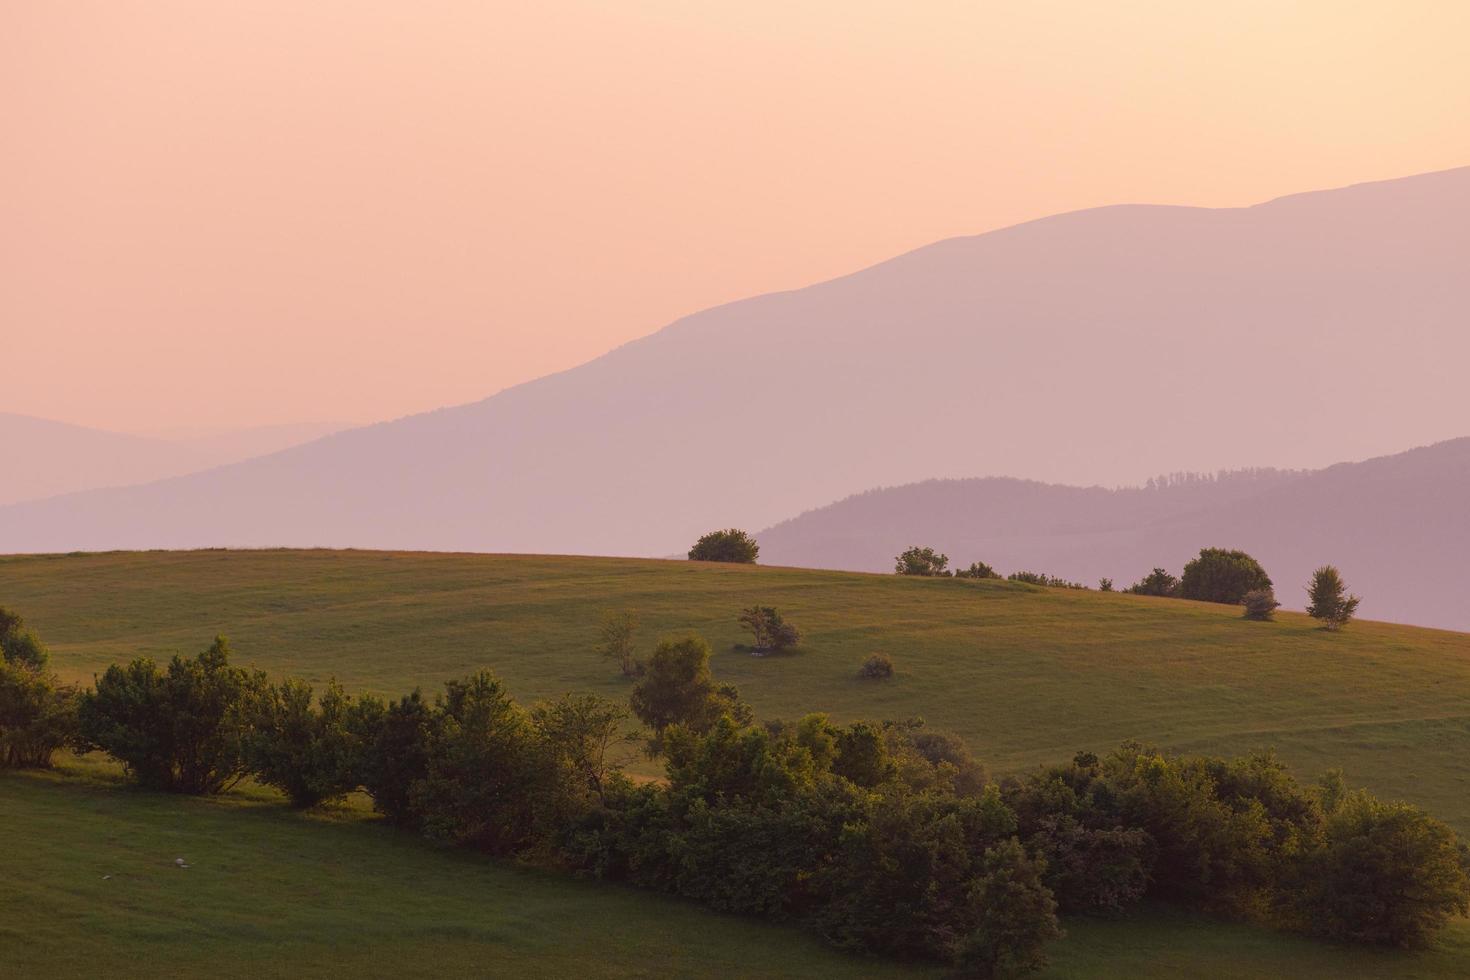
{"x": 1157, "y": 582}
{"x": 1329, "y": 599}
{"x": 921, "y": 561}
{"x": 1218, "y": 575}
{"x": 731, "y": 545}
{"x": 977, "y": 569}
{"x": 772, "y": 633}
{"x": 618, "y": 629}
{"x": 1261, "y": 605}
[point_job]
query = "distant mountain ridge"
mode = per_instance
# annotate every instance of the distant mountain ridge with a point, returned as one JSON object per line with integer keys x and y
{"x": 1091, "y": 347}
{"x": 1398, "y": 527}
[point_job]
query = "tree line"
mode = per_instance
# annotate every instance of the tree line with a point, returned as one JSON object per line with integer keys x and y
{"x": 885, "y": 837}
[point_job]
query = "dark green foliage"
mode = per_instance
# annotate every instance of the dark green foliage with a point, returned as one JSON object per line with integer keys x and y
{"x": 731, "y": 544}
{"x": 678, "y": 689}
{"x": 1013, "y": 914}
{"x": 617, "y": 632}
{"x": 878, "y": 666}
{"x": 19, "y": 645}
{"x": 924, "y": 562}
{"x": 1041, "y": 578}
{"x": 1261, "y": 605}
{"x": 183, "y": 729}
{"x": 1388, "y": 873}
{"x": 977, "y": 569}
{"x": 396, "y": 752}
{"x": 309, "y": 751}
{"x": 1218, "y": 575}
{"x": 771, "y": 631}
{"x": 1104, "y": 585}
{"x": 1157, "y": 582}
{"x": 37, "y": 716}
{"x": 579, "y": 732}
{"x": 488, "y": 776}
{"x": 1329, "y": 601}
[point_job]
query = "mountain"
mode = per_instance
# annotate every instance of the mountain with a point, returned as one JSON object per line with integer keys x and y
{"x": 1091, "y": 347}
{"x": 50, "y": 458}
{"x": 1398, "y": 527}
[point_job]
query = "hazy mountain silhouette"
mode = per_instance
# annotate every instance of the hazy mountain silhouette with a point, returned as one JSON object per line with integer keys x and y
{"x": 1092, "y": 347}
{"x": 1397, "y": 526}
{"x": 46, "y": 458}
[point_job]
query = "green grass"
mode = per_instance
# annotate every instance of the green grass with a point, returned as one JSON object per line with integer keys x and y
{"x": 1025, "y": 674}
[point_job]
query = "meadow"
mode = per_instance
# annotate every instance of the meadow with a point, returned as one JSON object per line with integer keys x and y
{"x": 1025, "y": 674}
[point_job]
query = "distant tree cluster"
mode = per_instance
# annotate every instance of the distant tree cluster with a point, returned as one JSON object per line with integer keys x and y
{"x": 923, "y": 562}
{"x": 1235, "y": 578}
{"x": 729, "y": 545}
{"x": 1041, "y": 578}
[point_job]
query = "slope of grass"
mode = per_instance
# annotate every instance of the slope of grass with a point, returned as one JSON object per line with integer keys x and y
{"x": 1025, "y": 674}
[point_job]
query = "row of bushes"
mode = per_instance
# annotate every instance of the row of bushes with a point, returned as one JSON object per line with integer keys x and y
{"x": 882, "y": 837}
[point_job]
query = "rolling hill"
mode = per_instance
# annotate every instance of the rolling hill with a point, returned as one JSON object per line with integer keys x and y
{"x": 1397, "y": 526}
{"x": 1026, "y": 674}
{"x": 1091, "y": 347}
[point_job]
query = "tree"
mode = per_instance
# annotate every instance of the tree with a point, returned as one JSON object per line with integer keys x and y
{"x": 924, "y": 562}
{"x": 1224, "y": 576}
{"x": 1329, "y": 599}
{"x": 395, "y": 740}
{"x": 306, "y": 750}
{"x": 1157, "y": 582}
{"x": 1261, "y": 605}
{"x": 731, "y": 544}
{"x": 1015, "y": 915}
{"x": 19, "y": 645}
{"x": 1105, "y": 585}
{"x": 181, "y": 730}
{"x": 579, "y": 731}
{"x": 977, "y": 569}
{"x": 678, "y": 689}
{"x": 37, "y": 715}
{"x": 772, "y": 633}
{"x": 619, "y": 626}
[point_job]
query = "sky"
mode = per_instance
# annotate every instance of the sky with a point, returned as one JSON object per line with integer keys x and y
{"x": 245, "y": 213}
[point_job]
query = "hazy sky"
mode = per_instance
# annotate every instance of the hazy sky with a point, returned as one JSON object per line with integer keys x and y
{"x": 221, "y": 213}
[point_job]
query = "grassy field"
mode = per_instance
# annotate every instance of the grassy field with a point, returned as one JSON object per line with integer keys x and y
{"x": 1025, "y": 674}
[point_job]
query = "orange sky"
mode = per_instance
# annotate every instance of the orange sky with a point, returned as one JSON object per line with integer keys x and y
{"x": 243, "y": 212}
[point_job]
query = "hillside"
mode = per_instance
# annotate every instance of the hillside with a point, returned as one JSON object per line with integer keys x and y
{"x": 1026, "y": 675}
{"x": 1397, "y": 526}
{"x": 56, "y": 458}
{"x": 1234, "y": 337}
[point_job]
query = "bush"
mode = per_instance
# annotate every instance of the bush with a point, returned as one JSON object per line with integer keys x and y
{"x": 1104, "y": 585}
{"x": 1041, "y": 578}
{"x": 977, "y": 569}
{"x": 395, "y": 758}
{"x": 19, "y": 645}
{"x": 578, "y": 732}
{"x": 1330, "y": 602}
{"x": 877, "y": 667}
{"x": 181, "y": 730}
{"x": 772, "y": 633}
{"x": 1157, "y": 582}
{"x": 1388, "y": 873}
{"x": 731, "y": 544}
{"x": 678, "y": 689}
{"x": 617, "y": 631}
{"x": 308, "y": 751}
{"x": 1261, "y": 605}
{"x": 37, "y": 716}
{"x": 924, "y": 562}
{"x": 1224, "y": 576}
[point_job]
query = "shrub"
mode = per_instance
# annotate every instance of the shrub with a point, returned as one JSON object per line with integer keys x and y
{"x": 1388, "y": 873}
{"x": 1013, "y": 916}
{"x": 306, "y": 750}
{"x": 1329, "y": 599}
{"x": 181, "y": 730}
{"x": 617, "y": 631}
{"x": 19, "y": 645}
{"x": 1261, "y": 605}
{"x": 37, "y": 716}
{"x": 977, "y": 569}
{"x": 1224, "y": 576}
{"x": 877, "y": 667}
{"x": 678, "y": 689}
{"x": 395, "y": 740}
{"x": 731, "y": 544}
{"x": 1041, "y": 578}
{"x": 1104, "y": 585}
{"x": 772, "y": 633}
{"x": 487, "y": 777}
{"x": 924, "y": 562}
{"x": 1157, "y": 582}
